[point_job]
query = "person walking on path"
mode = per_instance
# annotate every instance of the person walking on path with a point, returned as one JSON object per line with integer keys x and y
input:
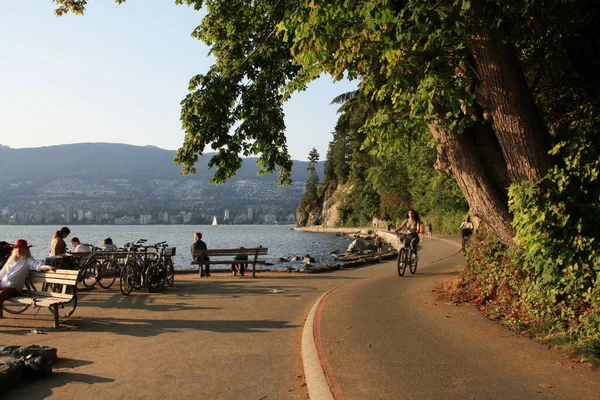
{"x": 429, "y": 230}
{"x": 16, "y": 270}
{"x": 466, "y": 229}
{"x": 200, "y": 245}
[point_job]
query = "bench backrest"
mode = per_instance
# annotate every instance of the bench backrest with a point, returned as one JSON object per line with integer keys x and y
{"x": 261, "y": 251}
{"x": 63, "y": 276}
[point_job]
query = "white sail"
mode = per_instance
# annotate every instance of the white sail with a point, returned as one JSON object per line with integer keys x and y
{"x": 214, "y": 223}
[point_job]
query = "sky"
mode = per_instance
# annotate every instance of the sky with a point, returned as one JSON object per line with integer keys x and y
{"x": 118, "y": 74}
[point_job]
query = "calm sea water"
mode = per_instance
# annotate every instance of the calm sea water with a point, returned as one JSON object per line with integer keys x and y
{"x": 281, "y": 240}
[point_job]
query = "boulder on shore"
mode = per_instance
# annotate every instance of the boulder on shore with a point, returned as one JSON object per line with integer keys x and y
{"x": 357, "y": 245}
{"x": 308, "y": 259}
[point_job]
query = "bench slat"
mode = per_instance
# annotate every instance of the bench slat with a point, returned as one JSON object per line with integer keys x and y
{"x": 231, "y": 262}
{"x": 66, "y": 273}
{"x": 232, "y": 252}
{"x": 38, "y": 294}
{"x": 39, "y": 301}
{"x": 71, "y": 282}
{"x": 63, "y": 276}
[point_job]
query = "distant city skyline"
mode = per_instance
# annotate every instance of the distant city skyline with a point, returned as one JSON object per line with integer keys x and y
{"x": 117, "y": 75}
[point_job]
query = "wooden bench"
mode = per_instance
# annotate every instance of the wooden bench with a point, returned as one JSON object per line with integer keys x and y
{"x": 252, "y": 253}
{"x": 34, "y": 296}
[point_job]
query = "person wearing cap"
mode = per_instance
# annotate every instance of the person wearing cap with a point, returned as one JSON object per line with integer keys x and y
{"x": 16, "y": 270}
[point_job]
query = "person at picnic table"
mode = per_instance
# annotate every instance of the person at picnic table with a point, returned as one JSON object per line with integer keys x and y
{"x": 58, "y": 247}
{"x": 239, "y": 267}
{"x": 16, "y": 270}
{"x": 108, "y": 245}
{"x": 200, "y": 245}
{"x": 79, "y": 247}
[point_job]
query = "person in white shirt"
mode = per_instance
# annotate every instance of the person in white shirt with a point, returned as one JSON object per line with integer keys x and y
{"x": 79, "y": 247}
{"x": 16, "y": 270}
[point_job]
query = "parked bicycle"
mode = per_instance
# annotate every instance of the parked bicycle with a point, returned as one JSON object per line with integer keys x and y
{"x": 134, "y": 273}
{"x": 165, "y": 262}
{"x": 407, "y": 257}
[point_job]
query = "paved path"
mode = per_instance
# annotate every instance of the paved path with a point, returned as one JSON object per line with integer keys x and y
{"x": 390, "y": 338}
{"x": 239, "y": 338}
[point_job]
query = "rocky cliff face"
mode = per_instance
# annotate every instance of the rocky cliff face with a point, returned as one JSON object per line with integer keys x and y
{"x": 326, "y": 212}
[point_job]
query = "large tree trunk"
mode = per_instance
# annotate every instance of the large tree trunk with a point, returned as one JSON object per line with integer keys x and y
{"x": 503, "y": 91}
{"x": 478, "y": 168}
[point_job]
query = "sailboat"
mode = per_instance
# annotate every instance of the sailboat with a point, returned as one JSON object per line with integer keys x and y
{"x": 214, "y": 223}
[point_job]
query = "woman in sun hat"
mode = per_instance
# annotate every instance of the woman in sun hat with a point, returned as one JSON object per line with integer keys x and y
{"x": 16, "y": 270}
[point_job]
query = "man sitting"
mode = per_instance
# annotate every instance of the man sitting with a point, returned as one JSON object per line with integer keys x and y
{"x": 79, "y": 247}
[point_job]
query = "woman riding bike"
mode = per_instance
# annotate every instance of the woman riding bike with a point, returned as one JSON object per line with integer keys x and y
{"x": 412, "y": 224}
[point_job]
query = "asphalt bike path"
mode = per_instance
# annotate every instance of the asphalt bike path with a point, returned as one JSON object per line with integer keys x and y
{"x": 390, "y": 337}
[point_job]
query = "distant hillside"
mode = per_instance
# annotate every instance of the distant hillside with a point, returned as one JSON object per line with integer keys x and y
{"x": 94, "y": 161}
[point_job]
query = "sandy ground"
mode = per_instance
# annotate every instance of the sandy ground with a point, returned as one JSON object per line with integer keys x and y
{"x": 222, "y": 337}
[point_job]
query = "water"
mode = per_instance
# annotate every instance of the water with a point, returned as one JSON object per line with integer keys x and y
{"x": 281, "y": 240}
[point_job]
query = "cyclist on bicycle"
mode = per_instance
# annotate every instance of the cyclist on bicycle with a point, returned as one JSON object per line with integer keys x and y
{"x": 412, "y": 224}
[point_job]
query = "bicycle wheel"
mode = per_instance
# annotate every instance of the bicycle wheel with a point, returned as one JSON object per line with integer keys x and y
{"x": 89, "y": 275}
{"x": 128, "y": 277}
{"x": 401, "y": 262}
{"x": 155, "y": 278}
{"x": 65, "y": 310}
{"x": 107, "y": 273}
{"x": 170, "y": 272}
{"x": 17, "y": 308}
{"x": 138, "y": 281}
{"x": 14, "y": 308}
{"x": 413, "y": 262}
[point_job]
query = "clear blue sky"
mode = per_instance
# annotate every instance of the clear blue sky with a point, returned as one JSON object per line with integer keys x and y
{"x": 117, "y": 75}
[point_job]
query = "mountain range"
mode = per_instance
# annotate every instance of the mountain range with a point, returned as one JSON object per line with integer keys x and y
{"x": 116, "y": 161}
{"x": 105, "y": 182}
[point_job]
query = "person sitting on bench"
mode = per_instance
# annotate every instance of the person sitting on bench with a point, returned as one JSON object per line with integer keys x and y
{"x": 200, "y": 245}
{"x": 16, "y": 270}
{"x": 239, "y": 267}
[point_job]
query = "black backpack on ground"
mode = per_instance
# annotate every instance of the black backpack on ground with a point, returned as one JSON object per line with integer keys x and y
{"x": 37, "y": 366}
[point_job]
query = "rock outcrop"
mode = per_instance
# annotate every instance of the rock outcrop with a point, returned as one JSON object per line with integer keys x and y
{"x": 326, "y": 210}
